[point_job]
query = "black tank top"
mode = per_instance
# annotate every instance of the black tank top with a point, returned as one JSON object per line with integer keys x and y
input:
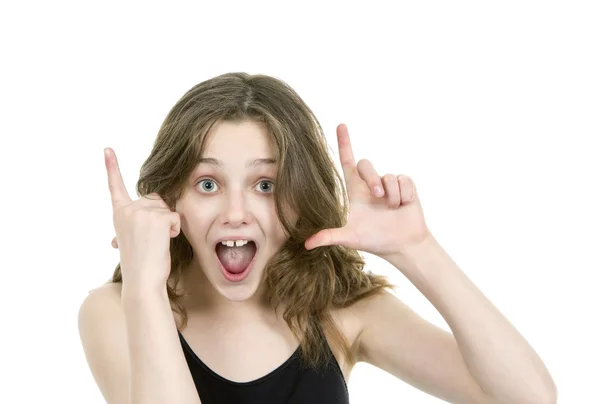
{"x": 290, "y": 383}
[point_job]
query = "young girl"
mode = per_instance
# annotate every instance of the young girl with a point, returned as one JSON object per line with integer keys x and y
{"x": 240, "y": 282}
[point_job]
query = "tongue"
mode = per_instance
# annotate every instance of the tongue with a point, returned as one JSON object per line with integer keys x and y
{"x": 236, "y": 259}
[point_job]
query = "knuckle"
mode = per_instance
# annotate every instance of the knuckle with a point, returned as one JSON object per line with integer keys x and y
{"x": 389, "y": 178}
{"x": 155, "y": 216}
{"x": 362, "y": 162}
{"x": 156, "y": 200}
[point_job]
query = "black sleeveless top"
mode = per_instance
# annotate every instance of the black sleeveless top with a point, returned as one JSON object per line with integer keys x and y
{"x": 290, "y": 383}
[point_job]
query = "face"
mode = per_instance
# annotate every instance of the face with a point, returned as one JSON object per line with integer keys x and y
{"x": 230, "y": 195}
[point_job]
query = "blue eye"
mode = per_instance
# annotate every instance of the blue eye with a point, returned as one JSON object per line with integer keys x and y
{"x": 209, "y": 188}
{"x": 269, "y": 189}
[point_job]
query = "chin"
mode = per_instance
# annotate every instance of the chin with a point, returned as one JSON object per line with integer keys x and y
{"x": 239, "y": 293}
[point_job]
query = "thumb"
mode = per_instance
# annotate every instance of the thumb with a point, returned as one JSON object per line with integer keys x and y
{"x": 326, "y": 237}
{"x": 175, "y": 224}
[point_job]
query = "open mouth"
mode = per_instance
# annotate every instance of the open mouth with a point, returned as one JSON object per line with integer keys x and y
{"x": 236, "y": 261}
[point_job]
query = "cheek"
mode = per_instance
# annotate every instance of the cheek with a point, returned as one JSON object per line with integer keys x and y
{"x": 277, "y": 229}
{"x": 194, "y": 227}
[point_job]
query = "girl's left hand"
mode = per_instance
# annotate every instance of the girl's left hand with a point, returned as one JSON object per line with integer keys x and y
{"x": 382, "y": 224}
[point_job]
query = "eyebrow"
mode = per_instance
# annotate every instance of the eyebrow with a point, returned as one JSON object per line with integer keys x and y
{"x": 249, "y": 164}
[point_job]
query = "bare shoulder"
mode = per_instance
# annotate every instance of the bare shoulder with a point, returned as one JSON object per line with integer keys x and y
{"x": 381, "y": 313}
{"x": 104, "y": 340}
{"x": 348, "y": 323}
{"x": 366, "y": 308}
{"x": 351, "y": 322}
{"x": 352, "y": 319}
{"x": 101, "y": 305}
{"x": 105, "y": 291}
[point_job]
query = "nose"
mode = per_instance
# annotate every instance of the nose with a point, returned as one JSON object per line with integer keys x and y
{"x": 236, "y": 212}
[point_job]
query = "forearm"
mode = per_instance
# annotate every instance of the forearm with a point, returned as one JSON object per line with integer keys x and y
{"x": 158, "y": 373}
{"x": 499, "y": 358}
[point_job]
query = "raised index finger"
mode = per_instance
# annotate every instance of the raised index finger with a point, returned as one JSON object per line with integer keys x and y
{"x": 346, "y": 154}
{"x": 118, "y": 192}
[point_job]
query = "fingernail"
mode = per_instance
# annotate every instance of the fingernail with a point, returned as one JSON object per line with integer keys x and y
{"x": 378, "y": 190}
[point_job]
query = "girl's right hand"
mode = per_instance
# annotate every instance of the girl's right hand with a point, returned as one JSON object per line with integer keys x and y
{"x": 144, "y": 229}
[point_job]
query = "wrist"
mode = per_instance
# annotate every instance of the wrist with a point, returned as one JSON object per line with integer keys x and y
{"x": 412, "y": 254}
{"x": 143, "y": 294}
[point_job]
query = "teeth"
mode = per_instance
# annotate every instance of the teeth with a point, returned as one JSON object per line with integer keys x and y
{"x": 237, "y": 243}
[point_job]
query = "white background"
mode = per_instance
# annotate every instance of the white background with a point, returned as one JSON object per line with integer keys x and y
{"x": 492, "y": 108}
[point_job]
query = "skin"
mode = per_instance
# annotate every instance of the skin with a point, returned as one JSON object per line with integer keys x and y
{"x": 225, "y": 319}
{"x": 227, "y": 200}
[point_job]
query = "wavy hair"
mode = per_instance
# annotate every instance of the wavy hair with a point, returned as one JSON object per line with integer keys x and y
{"x": 310, "y": 283}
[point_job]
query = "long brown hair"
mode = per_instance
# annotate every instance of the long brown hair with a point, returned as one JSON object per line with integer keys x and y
{"x": 310, "y": 283}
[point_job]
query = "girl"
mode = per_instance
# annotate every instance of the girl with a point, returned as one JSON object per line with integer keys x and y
{"x": 240, "y": 281}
